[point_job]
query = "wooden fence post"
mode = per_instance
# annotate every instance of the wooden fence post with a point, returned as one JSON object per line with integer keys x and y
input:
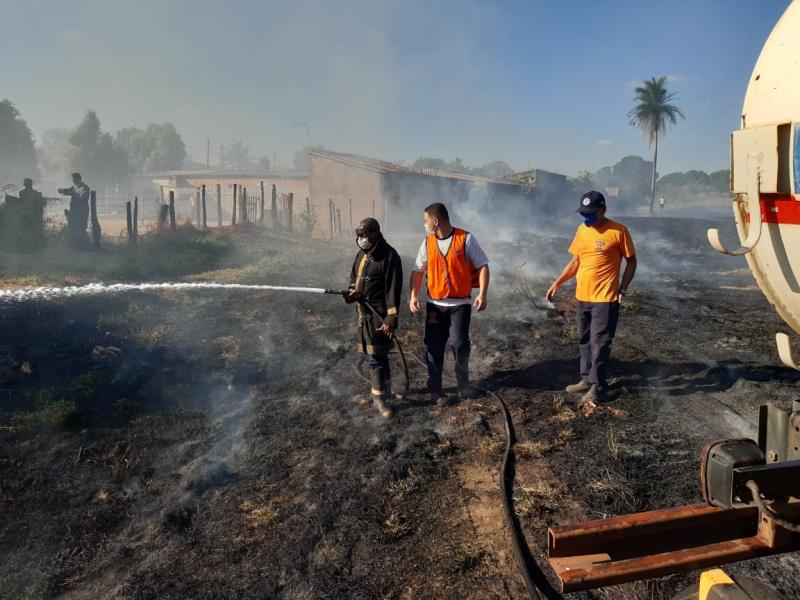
{"x": 290, "y": 212}
{"x": 261, "y": 206}
{"x": 219, "y": 205}
{"x": 339, "y": 221}
{"x": 197, "y": 215}
{"x": 203, "y": 201}
{"x": 309, "y": 220}
{"x": 136, "y": 219}
{"x": 245, "y": 216}
{"x": 129, "y": 218}
{"x": 96, "y": 231}
{"x": 330, "y": 215}
{"x": 350, "y": 209}
{"x": 274, "y": 208}
{"x": 173, "y": 225}
{"x": 163, "y": 215}
{"x": 233, "y": 212}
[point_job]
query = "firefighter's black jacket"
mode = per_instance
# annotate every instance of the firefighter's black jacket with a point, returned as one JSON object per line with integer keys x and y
{"x": 378, "y": 277}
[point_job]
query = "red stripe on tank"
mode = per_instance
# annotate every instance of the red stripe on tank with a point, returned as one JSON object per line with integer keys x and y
{"x": 778, "y": 209}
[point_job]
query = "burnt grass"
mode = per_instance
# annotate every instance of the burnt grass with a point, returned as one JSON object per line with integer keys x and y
{"x": 209, "y": 445}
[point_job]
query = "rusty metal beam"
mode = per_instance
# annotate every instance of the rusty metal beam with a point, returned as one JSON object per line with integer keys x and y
{"x": 657, "y": 543}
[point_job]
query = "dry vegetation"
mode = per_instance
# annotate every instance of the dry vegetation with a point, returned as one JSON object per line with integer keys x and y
{"x": 173, "y": 446}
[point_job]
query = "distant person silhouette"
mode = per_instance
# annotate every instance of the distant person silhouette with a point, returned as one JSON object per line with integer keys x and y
{"x": 34, "y": 208}
{"x": 78, "y": 212}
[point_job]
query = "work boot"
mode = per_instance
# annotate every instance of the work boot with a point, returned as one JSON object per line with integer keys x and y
{"x": 468, "y": 393}
{"x": 579, "y": 388}
{"x": 364, "y": 400}
{"x": 441, "y": 399}
{"x": 383, "y": 408}
{"x": 594, "y": 395}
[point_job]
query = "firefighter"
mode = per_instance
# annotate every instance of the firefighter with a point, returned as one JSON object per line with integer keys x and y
{"x": 376, "y": 280}
{"x": 597, "y": 251}
{"x": 78, "y": 212}
{"x": 454, "y": 263}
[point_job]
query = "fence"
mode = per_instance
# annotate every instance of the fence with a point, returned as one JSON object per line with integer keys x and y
{"x": 203, "y": 207}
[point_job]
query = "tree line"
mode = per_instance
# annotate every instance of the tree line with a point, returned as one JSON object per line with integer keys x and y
{"x": 633, "y": 176}
{"x": 105, "y": 158}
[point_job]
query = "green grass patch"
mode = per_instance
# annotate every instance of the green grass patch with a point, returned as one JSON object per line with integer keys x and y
{"x": 48, "y": 411}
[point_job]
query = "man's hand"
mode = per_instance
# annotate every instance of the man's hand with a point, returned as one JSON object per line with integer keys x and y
{"x": 351, "y": 296}
{"x": 386, "y": 329}
{"x": 480, "y": 302}
{"x": 551, "y": 292}
{"x": 413, "y": 304}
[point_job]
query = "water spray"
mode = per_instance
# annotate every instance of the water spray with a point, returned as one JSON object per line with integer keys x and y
{"x": 94, "y": 289}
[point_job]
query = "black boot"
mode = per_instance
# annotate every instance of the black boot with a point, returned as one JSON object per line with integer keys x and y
{"x": 380, "y": 390}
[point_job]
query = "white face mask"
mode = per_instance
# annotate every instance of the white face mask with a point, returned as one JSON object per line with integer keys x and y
{"x": 364, "y": 243}
{"x": 428, "y": 229}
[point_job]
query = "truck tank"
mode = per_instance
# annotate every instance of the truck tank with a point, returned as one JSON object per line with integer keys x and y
{"x": 765, "y": 175}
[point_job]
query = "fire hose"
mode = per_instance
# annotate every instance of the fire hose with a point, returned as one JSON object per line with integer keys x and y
{"x": 536, "y": 582}
{"x": 374, "y": 311}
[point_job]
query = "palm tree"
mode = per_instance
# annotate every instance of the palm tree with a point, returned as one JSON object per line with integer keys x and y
{"x": 653, "y": 108}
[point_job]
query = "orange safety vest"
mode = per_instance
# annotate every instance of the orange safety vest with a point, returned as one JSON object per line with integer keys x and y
{"x": 450, "y": 275}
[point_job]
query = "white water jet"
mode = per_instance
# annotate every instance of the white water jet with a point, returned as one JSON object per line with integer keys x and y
{"x": 93, "y": 289}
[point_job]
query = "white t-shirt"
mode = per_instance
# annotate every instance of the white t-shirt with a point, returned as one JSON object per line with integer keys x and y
{"x": 473, "y": 252}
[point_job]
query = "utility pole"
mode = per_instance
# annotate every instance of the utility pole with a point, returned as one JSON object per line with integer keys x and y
{"x": 308, "y": 133}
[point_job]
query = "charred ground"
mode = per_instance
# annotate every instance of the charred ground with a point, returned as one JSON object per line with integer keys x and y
{"x": 184, "y": 445}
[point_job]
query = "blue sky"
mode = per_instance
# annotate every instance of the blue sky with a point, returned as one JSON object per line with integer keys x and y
{"x": 537, "y": 84}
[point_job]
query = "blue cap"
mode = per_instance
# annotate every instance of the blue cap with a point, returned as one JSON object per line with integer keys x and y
{"x": 591, "y": 203}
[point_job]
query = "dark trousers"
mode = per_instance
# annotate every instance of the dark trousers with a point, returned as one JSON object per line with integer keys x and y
{"x": 447, "y": 325}
{"x": 597, "y": 324}
{"x": 379, "y": 375}
{"x": 77, "y": 221}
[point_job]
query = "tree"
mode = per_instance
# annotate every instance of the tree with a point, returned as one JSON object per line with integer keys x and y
{"x": 631, "y": 174}
{"x": 95, "y": 154}
{"x": 497, "y": 169}
{"x": 584, "y": 180}
{"x": 308, "y": 218}
{"x": 157, "y": 148}
{"x": 135, "y": 143}
{"x": 17, "y": 152}
{"x": 52, "y": 151}
{"x": 650, "y": 114}
{"x": 431, "y": 163}
{"x": 168, "y": 150}
{"x": 238, "y": 155}
{"x": 721, "y": 180}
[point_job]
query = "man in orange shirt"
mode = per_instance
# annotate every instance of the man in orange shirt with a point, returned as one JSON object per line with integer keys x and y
{"x": 597, "y": 251}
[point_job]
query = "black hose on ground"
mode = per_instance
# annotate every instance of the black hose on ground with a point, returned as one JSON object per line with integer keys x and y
{"x": 536, "y": 582}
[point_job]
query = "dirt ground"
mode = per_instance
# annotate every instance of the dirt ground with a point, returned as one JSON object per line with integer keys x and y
{"x": 187, "y": 445}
